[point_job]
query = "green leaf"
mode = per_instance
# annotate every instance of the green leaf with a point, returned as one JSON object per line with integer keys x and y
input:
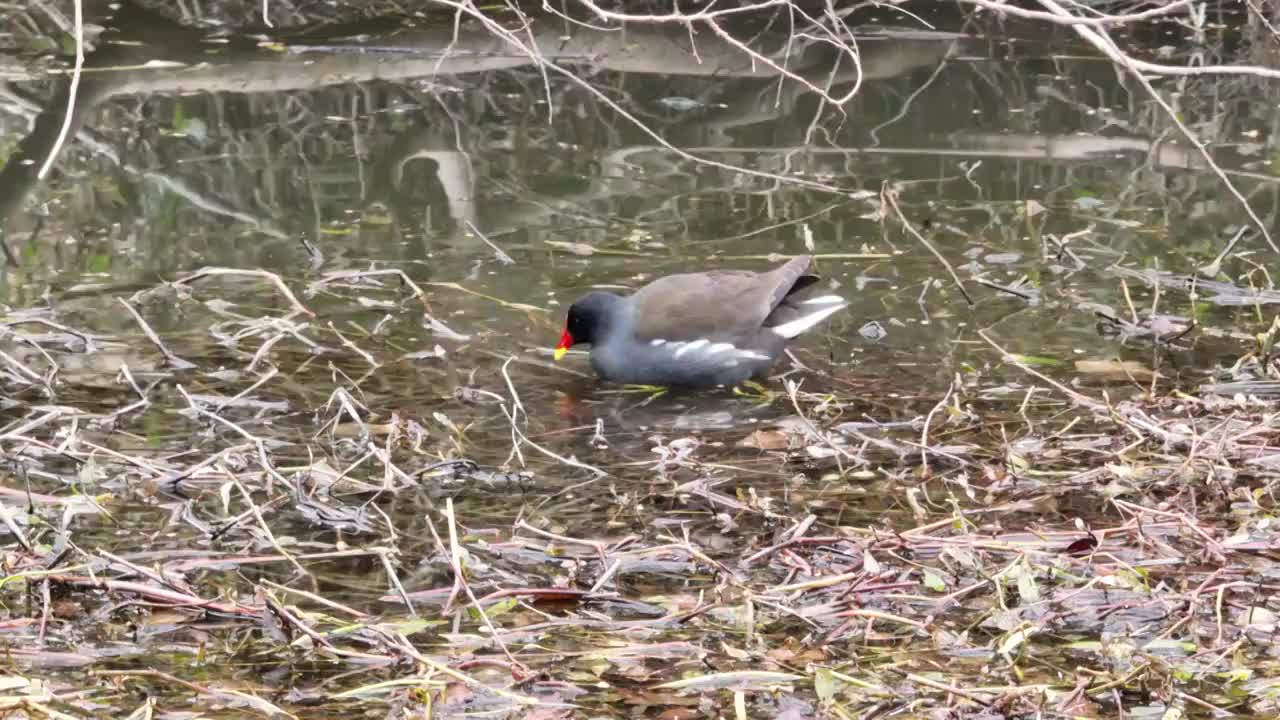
{"x": 824, "y": 684}
{"x": 1015, "y": 639}
{"x": 1028, "y": 588}
{"x": 88, "y": 475}
{"x": 934, "y": 582}
{"x": 97, "y": 263}
{"x": 496, "y": 609}
{"x": 411, "y": 626}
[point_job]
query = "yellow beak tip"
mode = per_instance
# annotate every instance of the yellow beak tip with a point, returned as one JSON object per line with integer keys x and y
{"x": 559, "y": 353}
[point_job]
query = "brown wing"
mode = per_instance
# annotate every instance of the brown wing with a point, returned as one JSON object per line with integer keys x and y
{"x": 718, "y": 305}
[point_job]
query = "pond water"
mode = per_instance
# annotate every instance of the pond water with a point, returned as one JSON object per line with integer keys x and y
{"x": 991, "y": 185}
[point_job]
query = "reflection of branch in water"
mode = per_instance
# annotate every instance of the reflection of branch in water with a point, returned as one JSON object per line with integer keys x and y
{"x": 1104, "y": 44}
{"x": 180, "y": 187}
{"x": 873, "y": 133}
{"x": 635, "y": 49}
{"x": 569, "y": 74}
{"x": 710, "y": 16}
{"x": 435, "y": 51}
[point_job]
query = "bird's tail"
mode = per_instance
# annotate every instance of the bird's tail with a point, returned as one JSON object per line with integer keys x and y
{"x": 797, "y": 316}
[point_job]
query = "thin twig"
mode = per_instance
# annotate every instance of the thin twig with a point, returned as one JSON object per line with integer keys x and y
{"x": 889, "y": 196}
{"x": 72, "y": 90}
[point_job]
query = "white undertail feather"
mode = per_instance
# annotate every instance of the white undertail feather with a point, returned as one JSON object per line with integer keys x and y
{"x": 824, "y": 300}
{"x": 827, "y": 305}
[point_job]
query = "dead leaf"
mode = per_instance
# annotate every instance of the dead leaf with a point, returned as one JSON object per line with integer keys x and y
{"x": 766, "y": 440}
{"x": 548, "y": 713}
{"x": 1115, "y": 370}
{"x": 679, "y": 714}
{"x": 735, "y": 653}
{"x": 735, "y": 679}
{"x": 573, "y": 247}
{"x": 1083, "y": 546}
{"x": 457, "y": 692}
{"x": 797, "y": 655}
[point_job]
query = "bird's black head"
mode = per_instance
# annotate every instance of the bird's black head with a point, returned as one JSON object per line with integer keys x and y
{"x": 590, "y": 319}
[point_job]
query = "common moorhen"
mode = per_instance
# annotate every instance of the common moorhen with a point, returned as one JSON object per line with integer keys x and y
{"x": 697, "y": 329}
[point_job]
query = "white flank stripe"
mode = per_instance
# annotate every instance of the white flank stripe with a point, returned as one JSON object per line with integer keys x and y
{"x": 656, "y": 342}
{"x": 691, "y": 346}
{"x": 804, "y": 322}
{"x": 718, "y": 348}
{"x": 752, "y": 355}
{"x": 824, "y": 300}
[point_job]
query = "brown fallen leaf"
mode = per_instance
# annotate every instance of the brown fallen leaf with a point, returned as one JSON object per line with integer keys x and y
{"x": 1083, "y": 546}
{"x": 1115, "y": 370}
{"x": 798, "y": 654}
{"x": 766, "y": 440}
{"x": 679, "y": 714}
